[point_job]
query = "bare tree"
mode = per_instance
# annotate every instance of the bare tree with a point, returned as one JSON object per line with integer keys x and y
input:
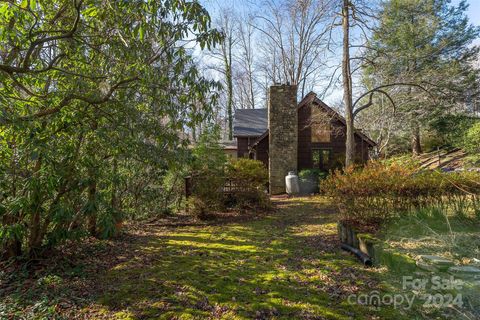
{"x": 224, "y": 61}
{"x": 245, "y": 57}
{"x": 347, "y": 85}
{"x": 352, "y": 16}
{"x": 295, "y": 35}
{"x": 381, "y": 122}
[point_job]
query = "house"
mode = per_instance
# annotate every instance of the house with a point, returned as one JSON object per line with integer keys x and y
{"x": 290, "y": 137}
{"x": 229, "y": 148}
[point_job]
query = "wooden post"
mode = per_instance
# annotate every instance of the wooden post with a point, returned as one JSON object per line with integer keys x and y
{"x": 438, "y": 151}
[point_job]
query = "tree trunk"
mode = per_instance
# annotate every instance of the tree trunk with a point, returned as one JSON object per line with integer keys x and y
{"x": 12, "y": 248}
{"x": 34, "y": 227}
{"x": 228, "y": 75}
{"x": 252, "y": 93}
{"x": 347, "y": 87}
{"x": 114, "y": 200}
{"x": 92, "y": 217}
{"x": 416, "y": 146}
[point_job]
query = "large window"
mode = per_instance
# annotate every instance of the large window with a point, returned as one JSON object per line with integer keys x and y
{"x": 321, "y": 158}
{"x": 320, "y": 124}
{"x": 321, "y": 132}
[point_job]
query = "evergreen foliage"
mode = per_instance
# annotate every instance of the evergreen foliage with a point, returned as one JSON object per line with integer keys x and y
{"x": 95, "y": 97}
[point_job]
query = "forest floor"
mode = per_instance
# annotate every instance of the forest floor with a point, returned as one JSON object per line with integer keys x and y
{"x": 285, "y": 264}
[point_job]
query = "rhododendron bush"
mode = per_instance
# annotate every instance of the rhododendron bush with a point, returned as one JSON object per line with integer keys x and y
{"x": 382, "y": 190}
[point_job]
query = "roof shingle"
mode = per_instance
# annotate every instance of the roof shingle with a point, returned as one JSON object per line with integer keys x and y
{"x": 250, "y": 122}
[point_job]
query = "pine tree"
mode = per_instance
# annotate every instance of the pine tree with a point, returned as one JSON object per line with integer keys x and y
{"x": 428, "y": 43}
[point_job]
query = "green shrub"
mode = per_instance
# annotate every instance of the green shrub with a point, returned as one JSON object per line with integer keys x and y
{"x": 198, "y": 207}
{"x": 313, "y": 174}
{"x": 252, "y": 172}
{"x": 248, "y": 180}
{"x": 248, "y": 171}
{"x": 310, "y": 180}
{"x": 449, "y": 130}
{"x": 472, "y": 139}
{"x": 208, "y": 174}
{"x": 382, "y": 190}
{"x": 217, "y": 184}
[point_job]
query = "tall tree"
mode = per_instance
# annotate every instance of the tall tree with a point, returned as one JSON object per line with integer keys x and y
{"x": 224, "y": 61}
{"x": 429, "y": 43}
{"x": 355, "y": 15}
{"x": 246, "y": 59}
{"x": 347, "y": 85}
{"x": 295, "y": 38}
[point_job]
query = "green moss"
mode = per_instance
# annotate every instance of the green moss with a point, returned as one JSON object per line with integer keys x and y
{"x": 396, "y": 262}
{"x": 368, "y": 237}
{"x": 275, "y": 267}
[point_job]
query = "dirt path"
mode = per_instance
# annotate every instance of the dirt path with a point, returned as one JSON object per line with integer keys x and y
{"x": 284, "y": 265}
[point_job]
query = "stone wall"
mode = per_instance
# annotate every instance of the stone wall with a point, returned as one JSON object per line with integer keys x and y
{"x": 283, "y": 135}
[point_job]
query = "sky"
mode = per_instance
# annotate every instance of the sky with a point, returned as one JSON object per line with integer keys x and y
{"x": 473, "y": 11}
{"x": 212, "y": 6}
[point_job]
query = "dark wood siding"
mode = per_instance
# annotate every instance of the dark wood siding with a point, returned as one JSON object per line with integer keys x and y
{"x": 242, "y": 147}
{"x": 262, "y": 151}
{"x": 336, "y": 144}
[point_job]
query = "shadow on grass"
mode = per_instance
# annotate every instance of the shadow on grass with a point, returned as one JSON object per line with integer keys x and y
{"x": 286, "y": 265}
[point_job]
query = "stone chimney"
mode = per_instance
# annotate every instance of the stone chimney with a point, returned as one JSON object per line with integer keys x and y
{"x": 283, "y": 135}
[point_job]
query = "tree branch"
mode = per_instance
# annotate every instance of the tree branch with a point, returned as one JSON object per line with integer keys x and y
{"x": 66, "y": 100}
{"x": 392, "y": 85}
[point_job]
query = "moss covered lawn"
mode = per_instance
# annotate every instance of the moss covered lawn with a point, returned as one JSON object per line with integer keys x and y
{"x": 282, "y": 265}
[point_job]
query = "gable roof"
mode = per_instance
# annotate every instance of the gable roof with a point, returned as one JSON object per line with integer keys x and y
{"x": 254, "y": 122}
{"x": 228, "y": 144}
{"x": 312, "y": 97}
{"x": 250, "y": 122}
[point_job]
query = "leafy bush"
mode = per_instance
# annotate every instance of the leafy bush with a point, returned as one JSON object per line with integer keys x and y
{"x": 449, "y": 130}
{"x": 248, "y": 171}
{"x": 382, "y": 190}
{"x": 199, "y": 207}
{"x": 310, "y": 180}
{"x": 248, "y": 180}
{"x": 208, "y": 174}
{"x": 472, "y": 139}
{"x": 217, "y": 184}
{"x": 66, "y": 172}
{"x": 313, "y": 174}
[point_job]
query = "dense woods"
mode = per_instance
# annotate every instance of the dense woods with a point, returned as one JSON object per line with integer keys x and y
{"x": 95, "y": 96}
{"x": 426, "y": 49}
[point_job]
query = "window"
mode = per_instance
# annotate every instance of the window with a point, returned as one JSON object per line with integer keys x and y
{"x": 321, "y": 158}
{"x": 320, "y": 125}
{"x": 321, "y": 132}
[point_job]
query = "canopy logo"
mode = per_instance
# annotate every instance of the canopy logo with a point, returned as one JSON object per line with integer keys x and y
{"x": 423, "y": 291}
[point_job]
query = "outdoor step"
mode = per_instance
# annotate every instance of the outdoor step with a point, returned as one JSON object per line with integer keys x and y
{"x": 436, "y": 260}
{"x": 467, "y": 270}
{"x": 427, "y": 267}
